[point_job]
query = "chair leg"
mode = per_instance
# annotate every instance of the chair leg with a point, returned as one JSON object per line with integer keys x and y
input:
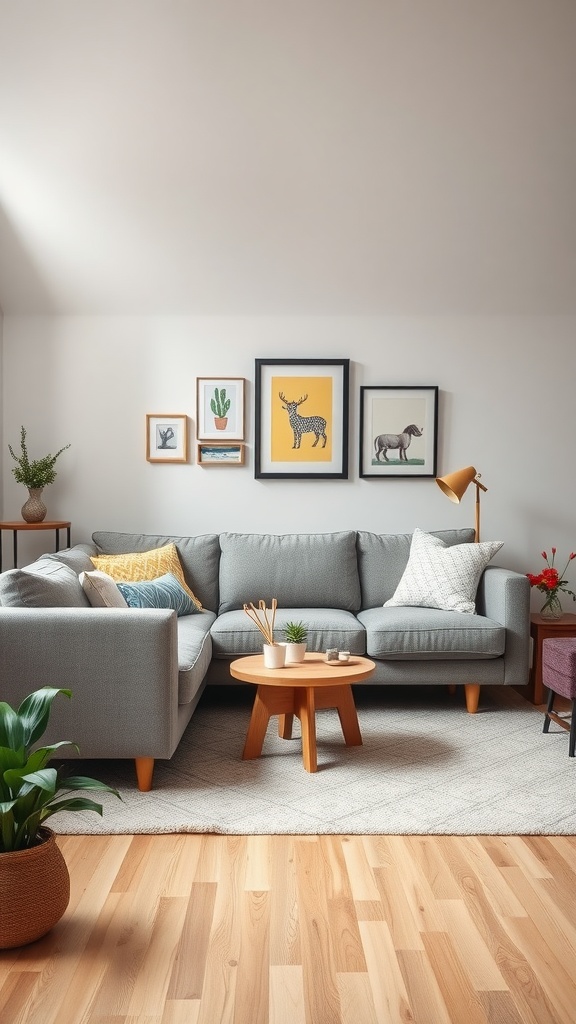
{"x": 549, "y": 708}
{"x": 572, "y": 740}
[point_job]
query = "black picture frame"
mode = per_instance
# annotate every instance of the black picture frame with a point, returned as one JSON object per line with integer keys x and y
{"x": 390, "y": 412}
{"x": 280, "y": 450}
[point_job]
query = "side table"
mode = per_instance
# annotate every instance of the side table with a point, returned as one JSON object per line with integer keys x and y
{"x": 47, "y": 524}
{"x": 542, "y": 629}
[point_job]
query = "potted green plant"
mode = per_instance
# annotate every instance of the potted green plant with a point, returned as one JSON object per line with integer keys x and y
{"x": 34, "y": 879}
{"x": 295, "y": 635}
{"x": 220, "y": 405}
{"x": 35, "y": 475}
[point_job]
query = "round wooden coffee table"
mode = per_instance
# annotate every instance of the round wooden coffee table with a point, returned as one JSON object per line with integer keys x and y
{"x": 300, "y": 690}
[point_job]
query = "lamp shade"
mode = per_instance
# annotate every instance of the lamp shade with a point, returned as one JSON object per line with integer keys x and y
{"x": 454, "y": 484}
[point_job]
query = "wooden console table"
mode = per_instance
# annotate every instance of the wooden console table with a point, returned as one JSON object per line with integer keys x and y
{"x": 542, "y": 629}
{"x": 47, "y": 524}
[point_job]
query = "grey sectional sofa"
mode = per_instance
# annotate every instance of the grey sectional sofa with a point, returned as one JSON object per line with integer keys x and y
{"x": 138, "y": 674}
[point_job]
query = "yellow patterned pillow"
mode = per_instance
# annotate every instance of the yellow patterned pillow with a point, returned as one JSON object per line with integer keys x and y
{"x": 144, "y": 565}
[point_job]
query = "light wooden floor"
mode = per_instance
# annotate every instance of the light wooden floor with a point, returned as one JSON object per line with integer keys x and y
{"x": 305, "y": 930}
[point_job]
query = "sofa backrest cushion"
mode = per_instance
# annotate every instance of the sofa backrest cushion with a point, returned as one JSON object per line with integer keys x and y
{"x": 383, "y": 557}
{"x": 301, "y": 570}
{"x": 199, "y": 557}
{"x": 45, "y": 583}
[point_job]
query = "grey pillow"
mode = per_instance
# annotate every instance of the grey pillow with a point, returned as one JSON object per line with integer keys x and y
{"x": 42, "y": 584}
{"x": 302, "y": 570}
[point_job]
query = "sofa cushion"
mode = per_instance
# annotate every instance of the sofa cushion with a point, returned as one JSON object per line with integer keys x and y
{"x": 307, "y": 570}
{"x": 234, "y": 634}
{"x": 101, "y": 590}
{"x": 199, "y": 557}
{"x": 438, "y": 576}
{"x": 383, "y": 557}
{"x": 45, "y": 583}
{"x": 164, "y": 592}
{"x": 76, "y": 557}
{"x": 137, "y": 566}
{"x": 430, "y": 634}
{"x": 194, "y": 653}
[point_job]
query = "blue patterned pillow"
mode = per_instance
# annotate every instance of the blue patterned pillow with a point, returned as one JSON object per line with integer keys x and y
{"x": 164, "y": 592}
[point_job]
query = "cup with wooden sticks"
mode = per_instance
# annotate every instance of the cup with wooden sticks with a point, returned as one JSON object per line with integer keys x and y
{"x": 274, "y": 654}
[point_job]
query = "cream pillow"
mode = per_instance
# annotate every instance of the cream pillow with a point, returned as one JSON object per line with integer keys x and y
{"x": 442, "y": 576}
{"x": 144, "y": 565}
{"x": 101, "y": 590}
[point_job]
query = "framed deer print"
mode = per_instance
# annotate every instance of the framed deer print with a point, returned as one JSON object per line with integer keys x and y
{"x": 301, "y": 419}
{"x": 398, "y": 431}
{"x": 166, "y": 437}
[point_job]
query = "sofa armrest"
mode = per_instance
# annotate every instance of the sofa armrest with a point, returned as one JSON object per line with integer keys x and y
{"x": 120, "y": 664}
{"x": 504, "y": 595}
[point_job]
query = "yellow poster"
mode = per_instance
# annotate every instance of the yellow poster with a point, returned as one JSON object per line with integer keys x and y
{"x": 301, "y": 418}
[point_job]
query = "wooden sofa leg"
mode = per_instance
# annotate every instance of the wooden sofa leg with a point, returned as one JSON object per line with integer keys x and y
{"x": 144, "y": 773}
{"x": 472, "y": 693}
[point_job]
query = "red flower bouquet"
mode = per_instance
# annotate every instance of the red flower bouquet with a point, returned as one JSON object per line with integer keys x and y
{"x": 553, "y": 584}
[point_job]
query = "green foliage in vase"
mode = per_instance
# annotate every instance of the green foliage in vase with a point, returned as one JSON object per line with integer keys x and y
{"x": 39, "y": 472}
{"x": 220, "y": 404}
{"x": 30, "y": 792}
{"x": 295, "y": 632}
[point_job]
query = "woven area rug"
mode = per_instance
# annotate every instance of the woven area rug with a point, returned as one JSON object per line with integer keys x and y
{"x": 426, "y": 767}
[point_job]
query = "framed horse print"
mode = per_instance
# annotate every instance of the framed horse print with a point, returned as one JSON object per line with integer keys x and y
{"x": 398, "y": 431}
{"x": 301, "y": 419}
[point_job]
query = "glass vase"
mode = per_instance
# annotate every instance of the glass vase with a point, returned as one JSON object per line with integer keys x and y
{"x": 551, "y": 609}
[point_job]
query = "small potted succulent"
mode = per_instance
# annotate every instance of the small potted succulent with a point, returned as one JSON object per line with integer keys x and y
{"x": 34, "y": 879}
{"x": 295, "y": 636}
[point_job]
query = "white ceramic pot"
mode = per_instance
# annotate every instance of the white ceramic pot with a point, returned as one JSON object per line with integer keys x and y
{"x": 294, "y": 653}
{"x": 274, "y": 655}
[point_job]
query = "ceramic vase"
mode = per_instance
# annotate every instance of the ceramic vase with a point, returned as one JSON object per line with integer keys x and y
{"x": 294, "y": 653}
{"x": 34, "y": 510}
{"x": 274, "y": 655}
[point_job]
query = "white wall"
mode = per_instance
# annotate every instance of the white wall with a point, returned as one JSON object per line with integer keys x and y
{"x": 507, "y": 401}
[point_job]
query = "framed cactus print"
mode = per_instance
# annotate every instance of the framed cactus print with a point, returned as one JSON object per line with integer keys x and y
{"x": 220, "y": 408}
{"x": 301, "y": 419}
{"x": 166, "y": 437}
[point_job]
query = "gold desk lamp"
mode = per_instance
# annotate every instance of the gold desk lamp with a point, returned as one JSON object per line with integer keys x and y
{"x": 454, "y": 486}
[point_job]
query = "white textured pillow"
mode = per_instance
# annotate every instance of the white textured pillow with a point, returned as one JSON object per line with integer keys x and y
{"x": 442, "y": 576}
{"x": 101, "y": 590}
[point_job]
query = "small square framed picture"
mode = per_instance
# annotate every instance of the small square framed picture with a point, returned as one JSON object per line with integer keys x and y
{"x": 166, "y": 437}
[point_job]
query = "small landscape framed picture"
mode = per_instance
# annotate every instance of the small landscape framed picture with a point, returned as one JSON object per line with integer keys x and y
{"x": 217, "y": 453}
{"x": 220, "y": 408}
{"x": 166, "y": 437}
{"x": 398, "y": 431}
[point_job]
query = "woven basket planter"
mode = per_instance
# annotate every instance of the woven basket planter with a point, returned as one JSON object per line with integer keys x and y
{"x": 34, "y": 892}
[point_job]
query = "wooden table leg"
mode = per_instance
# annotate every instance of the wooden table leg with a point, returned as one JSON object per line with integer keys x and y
{"x": 269, "y": 700}
{"x": 304, "y": 707}
{"x": 285, "y": 723}
{"x": 348, "y": 717}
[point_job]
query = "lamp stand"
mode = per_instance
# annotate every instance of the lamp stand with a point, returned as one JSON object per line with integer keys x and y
{"x": 479, "y": 487}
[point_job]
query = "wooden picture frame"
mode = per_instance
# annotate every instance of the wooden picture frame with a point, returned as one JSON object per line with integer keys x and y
{"x": 220, "y": 408}
{"x": 301, "y": 419}
{"x": 216, "y": 453}
{"x": 166, "y": 437}
{"x": 398, "y": 431}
